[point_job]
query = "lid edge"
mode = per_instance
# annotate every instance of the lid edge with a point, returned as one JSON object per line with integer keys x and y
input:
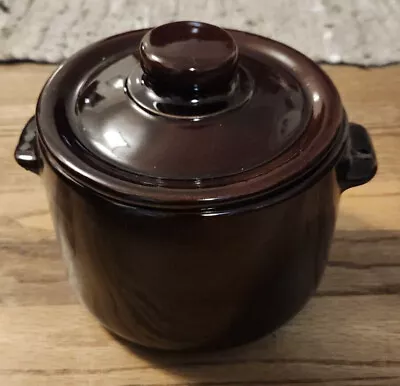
{"x": 153, "y": 196}
{"x": 221, "y": 205}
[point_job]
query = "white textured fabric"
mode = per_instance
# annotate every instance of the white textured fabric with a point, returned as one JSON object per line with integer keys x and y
{"x": 365, "y": 32}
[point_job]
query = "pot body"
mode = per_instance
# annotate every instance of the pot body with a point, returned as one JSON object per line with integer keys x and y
{"x": 178, "y": 281}
{"x": 189, "y": 281}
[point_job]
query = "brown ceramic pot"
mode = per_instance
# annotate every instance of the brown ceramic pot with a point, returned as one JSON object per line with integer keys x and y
{"x": 193, "y": 175}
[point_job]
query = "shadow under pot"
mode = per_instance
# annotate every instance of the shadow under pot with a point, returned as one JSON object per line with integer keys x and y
{"x": 193, "y": 175}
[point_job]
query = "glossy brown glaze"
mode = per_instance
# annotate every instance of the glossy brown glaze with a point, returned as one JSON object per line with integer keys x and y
{"x": 193, "y": 231}
{"x": 189, "y": 58}
{"x": 109, "y": 143}
{"x": 195, "y": 153}
{"x": 171, "y": 280}
{"x": 175, "y": 282}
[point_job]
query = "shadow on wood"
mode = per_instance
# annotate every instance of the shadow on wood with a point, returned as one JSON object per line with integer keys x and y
{"x": 334, "y": 340}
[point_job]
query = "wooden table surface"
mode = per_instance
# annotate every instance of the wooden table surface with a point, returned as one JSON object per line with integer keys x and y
{"x": 349, "y": 333}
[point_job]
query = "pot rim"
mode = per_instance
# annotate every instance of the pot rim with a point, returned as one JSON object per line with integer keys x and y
{"x": 325, "y": 136}
{"x": 229, "y": 207}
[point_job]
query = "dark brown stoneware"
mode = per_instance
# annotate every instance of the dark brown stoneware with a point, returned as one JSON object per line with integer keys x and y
{"x": 194, "y": 199}
{"x": 189, "y": 57}
{"x": 185, "y": 281}
{"x": 114, "y": 134}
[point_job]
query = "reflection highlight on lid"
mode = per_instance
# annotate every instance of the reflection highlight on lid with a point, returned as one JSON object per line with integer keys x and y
{"x": 114, "y": 139}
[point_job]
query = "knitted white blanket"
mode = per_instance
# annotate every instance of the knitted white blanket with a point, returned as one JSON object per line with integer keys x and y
{"x": 365, "y": 32}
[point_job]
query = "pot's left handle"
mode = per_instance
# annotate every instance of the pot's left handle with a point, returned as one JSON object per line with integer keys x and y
{"x": 26, "y": 153}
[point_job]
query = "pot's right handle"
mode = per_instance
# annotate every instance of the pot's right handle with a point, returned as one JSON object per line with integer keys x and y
{"x": 26, "y": 152}
{"x": 359, "y": 164}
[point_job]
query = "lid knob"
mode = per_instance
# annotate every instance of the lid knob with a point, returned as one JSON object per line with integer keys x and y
{"x": 188, "y": 58}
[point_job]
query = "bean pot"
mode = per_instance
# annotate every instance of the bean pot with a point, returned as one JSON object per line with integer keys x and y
{"x": 193, "y": 176}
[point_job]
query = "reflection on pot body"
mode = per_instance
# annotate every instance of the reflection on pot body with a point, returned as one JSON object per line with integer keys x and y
{"x": 179, "y": 282}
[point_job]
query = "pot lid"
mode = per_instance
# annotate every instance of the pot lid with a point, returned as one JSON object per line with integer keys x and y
{"x": 190, "y": 108}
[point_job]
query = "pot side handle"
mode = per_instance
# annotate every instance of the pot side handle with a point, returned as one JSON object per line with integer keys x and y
{"x": 26, "y": 153}
{"x": 358, "y": 164}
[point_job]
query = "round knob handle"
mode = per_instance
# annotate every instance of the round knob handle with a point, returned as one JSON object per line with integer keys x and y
{"x": 188, "y": 58}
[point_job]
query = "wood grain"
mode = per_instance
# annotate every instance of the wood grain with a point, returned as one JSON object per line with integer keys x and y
{"x": 349, "y": 334}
